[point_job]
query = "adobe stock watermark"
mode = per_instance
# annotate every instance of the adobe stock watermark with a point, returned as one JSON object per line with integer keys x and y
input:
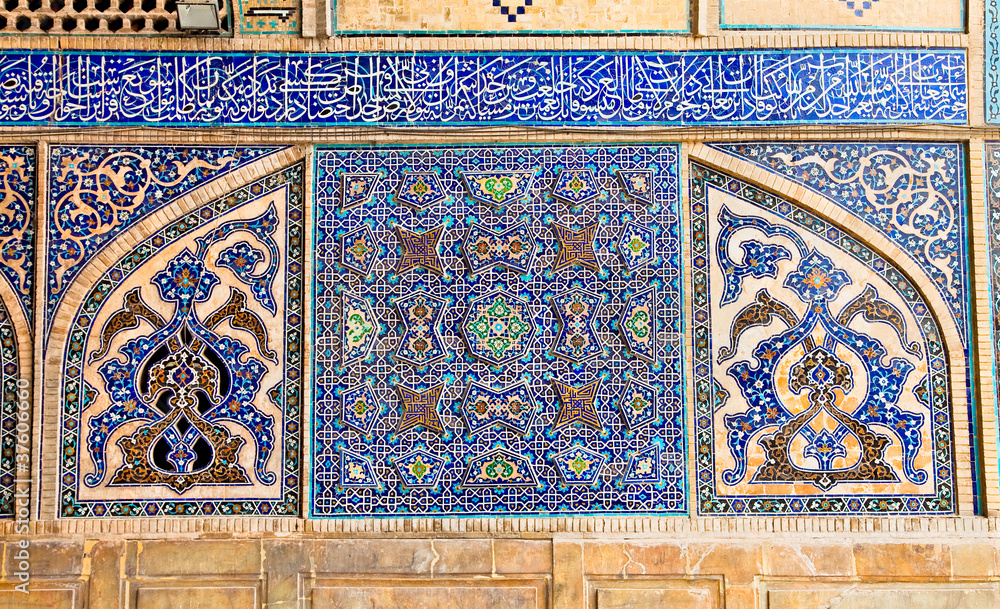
{"x": 21, "y": 564}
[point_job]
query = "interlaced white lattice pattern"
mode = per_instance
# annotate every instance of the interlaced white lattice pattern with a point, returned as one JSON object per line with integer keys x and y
{"x": 539, "y": 368}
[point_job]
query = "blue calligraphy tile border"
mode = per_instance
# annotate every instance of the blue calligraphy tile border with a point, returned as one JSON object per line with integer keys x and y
{"x": 992, "y": 168}
{"x": 992, "y": 65}
{"x": 816, "y": 86}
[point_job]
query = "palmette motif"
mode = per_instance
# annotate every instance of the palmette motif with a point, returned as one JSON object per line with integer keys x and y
{"x": 181, "y": 387}
{"x": 910, "y": 192}
{"x": 824, "y": 373}
{"x": 98, "y": 192}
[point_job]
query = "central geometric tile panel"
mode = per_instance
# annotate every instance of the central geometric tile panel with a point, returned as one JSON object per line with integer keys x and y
{"x": 497, "y": 331}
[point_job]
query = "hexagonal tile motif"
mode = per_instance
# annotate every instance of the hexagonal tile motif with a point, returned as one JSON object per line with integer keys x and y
{"x": 359, "y": 408}
{"x": 637, "y": 404}
{"x": 498, "y": 327}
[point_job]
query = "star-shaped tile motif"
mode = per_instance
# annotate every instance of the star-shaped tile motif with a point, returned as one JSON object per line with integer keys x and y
{"x": 420, "y": 409}
{"x": 420, "y": 190}
{"x": 576, "y": 186}
{"x": 498, "y": 327}
{"x": 576, "y": 247}
{"x": 420, "y": 250}
{"x": 577, "y": 405}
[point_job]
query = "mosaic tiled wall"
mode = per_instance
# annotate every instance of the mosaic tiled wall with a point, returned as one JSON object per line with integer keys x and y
{"x": 98, "y": 192}
{"x": 991, "y": 68}
{"x": 821, "y": 372}
{"x": 827, "y": 86}
{"x": 844, "y": 14}
{"x": 491, "y": 16}
{"x": 992, "y": 200}
{"x": 498, "y": 331}
{"x": 179, "y": 377}
{"x": 912, "y": 193}
{"x": 17, "y": 254}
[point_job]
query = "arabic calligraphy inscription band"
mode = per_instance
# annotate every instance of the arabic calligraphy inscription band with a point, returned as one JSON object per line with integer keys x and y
{"x": 829, "y": 86}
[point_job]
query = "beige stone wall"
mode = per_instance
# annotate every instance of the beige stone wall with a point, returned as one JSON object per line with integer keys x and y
{"x": 707, "y": 564}
{"x": 557, "y": 563}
